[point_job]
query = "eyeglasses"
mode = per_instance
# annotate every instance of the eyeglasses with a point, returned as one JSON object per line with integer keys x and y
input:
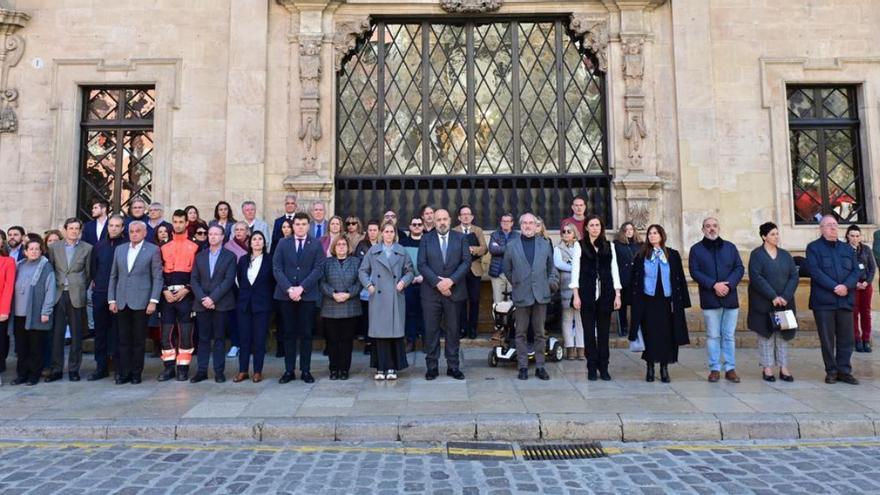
{"x": 201, "y": 232}
{"x": 414, "y": 224}
{"x": 351, "y": 223}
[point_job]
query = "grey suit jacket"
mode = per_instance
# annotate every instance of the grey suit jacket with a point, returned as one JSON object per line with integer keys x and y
{"x": 431, "y": 265}
{"x": 531, "y": 283}
{"x": 136, "y": 288}
{"x": 77, "y": 272}
{"x": 340, "y": 277}
{"x": 219, "y": 286}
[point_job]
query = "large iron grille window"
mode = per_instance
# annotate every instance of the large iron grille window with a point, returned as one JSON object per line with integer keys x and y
{"x": 825, "y": 156}
{"x": 502, "y": 115}
{"x": 116, "y": 161}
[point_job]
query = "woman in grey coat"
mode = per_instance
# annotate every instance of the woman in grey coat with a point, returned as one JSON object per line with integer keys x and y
{"x": 385, "y": 271}
{"x": 773, "y": 279}
{"x": 342, "y": 306}
{"x": 32, "y": 310}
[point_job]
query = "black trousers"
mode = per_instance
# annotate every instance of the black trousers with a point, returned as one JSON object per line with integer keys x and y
{"x": 252, "y": 330}
{"x": 597, "y": 324}
{"x": 66, "y": 314}
{"x": 212, "y": 339}
{"x": 29, "y": 347}
{"x": 434, "y": 310}
{"x": 470, "y": 308}
{"x": 106, "y": 332}
{"x": 4, "y": 343}
{"x": 836, "y": 337}
{"x": 299, "y": 320}
{"x": 132, "y": 336}
{"x": 339, "y": 333}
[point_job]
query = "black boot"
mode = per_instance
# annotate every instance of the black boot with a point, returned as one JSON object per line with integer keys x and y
{"x": 664, "y": 373}
{"x": 182, "y": 373}
{"x": 592, "y": 375}
{"x": 603, "y": 372}
{"x": 168, "y": 372}
{"x": 649, "y": 376}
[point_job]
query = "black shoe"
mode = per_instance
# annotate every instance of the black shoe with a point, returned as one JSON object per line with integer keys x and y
{"x": 73, "y": 376}
{"x": 18, "y": 380}
{"x": 200, "y": 377}
{"x": 32, "y": 382}
{"x": 307, "y": 377}
{"x": 649, "y": 375}
{"x": 168, "y": 373}
{"x": 622, "y": 332}
{"x": 664, "y": 373}
{"x": 334, "y": 375}
{"x": 542, "y": 374}
{"x": 785, "y": 378}
{"x": 592, "y": 374}
{"x": 831, "y": 378}
{"x": 603, "y": 373}
{"x": 523, "y": 374}
{"x": 457, "y": 374}
{"x": 122, "y": 380}
{"x": 135, "y": 379}
{"x": 343, "y": 375}
{"x": 286, "y": 378}
{"x": 368, "y": 349}
{"x": 219, "y": 377}
{"x": 462, "y": 333}
{"x": 472, "y": 333}
{"x": 97, "y": 375}
{"x": 182, "y": 373}
{"x": 847, "y": 378}
{"x": 859, "y": 346}
{"x": 432, "y": 374}
{"x": 279, "y": 353}
{"x": 867, "y": 346}
{"x": 769, "y": 378}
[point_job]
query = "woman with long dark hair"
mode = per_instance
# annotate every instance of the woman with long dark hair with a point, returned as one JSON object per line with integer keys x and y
{"x": 224, "y": 218}
{"x": 254, "y": 306}
{"x": 659, "y": 298}
{"x": 192, "y": 220}
{"x": 626, "y": 246}
{"x": 596, "y": 292}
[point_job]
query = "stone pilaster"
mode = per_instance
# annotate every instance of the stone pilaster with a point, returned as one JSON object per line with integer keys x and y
{"x": 11, "y": 51}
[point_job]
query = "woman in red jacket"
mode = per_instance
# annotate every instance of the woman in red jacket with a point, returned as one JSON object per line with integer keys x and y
{"x": 7, "y": 286}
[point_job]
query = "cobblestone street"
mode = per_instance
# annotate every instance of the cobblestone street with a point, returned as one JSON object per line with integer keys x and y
{"x": 757, "y": 468}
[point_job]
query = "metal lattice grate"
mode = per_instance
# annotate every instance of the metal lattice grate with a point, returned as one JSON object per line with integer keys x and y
{"x": 558, "y": 451}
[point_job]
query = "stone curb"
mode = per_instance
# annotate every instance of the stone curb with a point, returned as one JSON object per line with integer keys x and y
{"x": 424, "y": 428}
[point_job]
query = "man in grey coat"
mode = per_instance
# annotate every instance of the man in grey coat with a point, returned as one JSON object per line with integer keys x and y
{"x": 133, "y": 294}
{"x": 443, "y": 261}
{"x": 528, "y": 265}
{"x": 71, "y": 259}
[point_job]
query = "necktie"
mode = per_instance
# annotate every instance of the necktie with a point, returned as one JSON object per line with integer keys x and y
{"x": 299, "y": 246}
{"x": 443, "y": 247}
{"x": 318, "y": 230}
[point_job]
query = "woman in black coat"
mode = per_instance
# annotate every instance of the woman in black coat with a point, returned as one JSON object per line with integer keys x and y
{"x": 773, "y": 279}
{"x": 626, "y": 246}
{"x": 659, "y": 297}
{"x": 254, "y": 306}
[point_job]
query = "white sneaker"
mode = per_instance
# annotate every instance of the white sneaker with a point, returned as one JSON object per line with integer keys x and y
{"x": 391, "y": 375}
{"x": 233, "y": 352}
{"x": 379, "y": 376}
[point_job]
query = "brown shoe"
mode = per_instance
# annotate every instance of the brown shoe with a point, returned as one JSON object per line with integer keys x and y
{"x": 497, "y": 337}
{"x": 714, "y": 376}
{"x": 581, "y": 356}
{"x": 569, "y": 353}
{"x": 258, "y": 377}
{"x": 731, "y": 376}
{"x": 240, "y": 377}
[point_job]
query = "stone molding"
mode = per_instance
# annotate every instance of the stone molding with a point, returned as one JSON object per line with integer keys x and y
{"x": 11, "y": 51}
{"x": 594, "y": 32}
{"x": 470, "y": 6}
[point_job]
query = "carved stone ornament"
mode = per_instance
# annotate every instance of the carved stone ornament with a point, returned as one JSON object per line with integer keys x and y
{"x": 635, "y": 130}
{"x": 470, "y": 6}
{"x": 346, "y": 36}
{"x": 638, "y": 213}
{"x": 594, "y": 32}
{"x": 310, "y": 100}
{"x": 11, "y": 52}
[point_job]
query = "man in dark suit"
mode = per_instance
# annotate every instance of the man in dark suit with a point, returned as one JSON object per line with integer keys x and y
{"x": 296, "y": 264}
{"x": 289, "y": 211}
{"x": 319, "y": 220}
{"x": 96, "y": 229}
{"x": 444, "y": 260}
{"x": 213, "y": 277}
{"x": 106, "y": 328}
{"x": 71, "y": 259}
{"x": 14, "y": 242}
{"x": 133, "y": 295}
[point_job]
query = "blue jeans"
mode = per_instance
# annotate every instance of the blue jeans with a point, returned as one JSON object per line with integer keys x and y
{"x": 720, "y": 338}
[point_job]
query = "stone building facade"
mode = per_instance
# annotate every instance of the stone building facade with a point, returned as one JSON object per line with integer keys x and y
{"x": 697, "y": 116}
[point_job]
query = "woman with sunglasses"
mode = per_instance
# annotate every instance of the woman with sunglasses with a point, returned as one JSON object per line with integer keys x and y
{"x": 200, "y": 236}
{"x": 354, "y": 231}
{"x": 563, "y": 256}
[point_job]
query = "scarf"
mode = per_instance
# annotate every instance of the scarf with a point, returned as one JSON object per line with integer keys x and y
{"x": 242, "y": 244}
{"x": 712, "y": 245}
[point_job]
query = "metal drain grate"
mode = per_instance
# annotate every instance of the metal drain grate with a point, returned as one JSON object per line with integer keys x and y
{"x": 557, "y": 451}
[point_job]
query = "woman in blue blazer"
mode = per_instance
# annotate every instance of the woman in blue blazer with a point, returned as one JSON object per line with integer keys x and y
{"x": 255, "y": 286}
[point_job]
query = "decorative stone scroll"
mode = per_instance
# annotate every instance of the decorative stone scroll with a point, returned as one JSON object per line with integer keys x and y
{"x": 470, "y": 6}
{"x": 11, "y": 52}
{"x": 310, "y": 99}
{"x": 594, "y": 32}
{"x": 634, "y": 99}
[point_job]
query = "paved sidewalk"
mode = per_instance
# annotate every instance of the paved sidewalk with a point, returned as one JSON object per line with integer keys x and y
{"x": 490, "y": 404}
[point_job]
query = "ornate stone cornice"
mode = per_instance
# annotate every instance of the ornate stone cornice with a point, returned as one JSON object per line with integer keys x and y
{"x": 470, "y": 6}
{"x": 594, "y": 31}
{"x": 11, "y": 51}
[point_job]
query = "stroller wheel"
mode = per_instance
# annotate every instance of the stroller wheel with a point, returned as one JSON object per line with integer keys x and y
{"x": 557, "y": 353}
{"x": 493, "y": 359}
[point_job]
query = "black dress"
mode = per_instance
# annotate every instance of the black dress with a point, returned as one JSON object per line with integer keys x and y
{"x": 657, "y": 332}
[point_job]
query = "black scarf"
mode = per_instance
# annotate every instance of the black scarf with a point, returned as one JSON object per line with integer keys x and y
{"x": 712, "y": 245}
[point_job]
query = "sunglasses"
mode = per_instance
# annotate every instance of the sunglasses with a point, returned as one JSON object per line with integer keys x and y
{"x": 201, "y": 232}
{"x": 351, "y": 223}
{"x": 415, "y": 224}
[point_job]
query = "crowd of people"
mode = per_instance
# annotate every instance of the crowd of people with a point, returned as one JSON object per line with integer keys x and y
{"x": 190, "y": 284}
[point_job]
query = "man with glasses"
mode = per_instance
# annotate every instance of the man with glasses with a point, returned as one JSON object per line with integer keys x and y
{"x": 137, "y": 211}
{"x": 470, "y": 311}
{"x": 414, "y": 325}
{"x": 289, "y": 210}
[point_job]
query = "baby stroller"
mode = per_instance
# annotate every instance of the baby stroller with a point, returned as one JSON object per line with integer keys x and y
{"x": 504, "y": 349}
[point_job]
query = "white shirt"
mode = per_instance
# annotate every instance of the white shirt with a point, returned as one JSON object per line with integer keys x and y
{"x": 254, "y": 269}
{"x": 132, "y": 254}
{"x": 615, "y": 273}
{"x": 99, "y": 227}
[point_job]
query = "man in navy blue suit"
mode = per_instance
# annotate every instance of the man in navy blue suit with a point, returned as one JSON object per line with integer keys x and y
{"x": 14, "y": 239}
{"x": 106, "y": 330}
{"x": 296, "y": 264}
{"x": 96, "y": 228}
{"x": 289, "y": 211}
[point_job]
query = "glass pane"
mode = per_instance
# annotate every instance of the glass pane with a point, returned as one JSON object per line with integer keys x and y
{"x": 139, "y": 103}
{"x": 358, "y": 139}
{"x": 539, "y": 118}
{"x": 403, "y": 112}
{"x": 805, "y": 175}
{"x": 447, "y": 108}
{"x": 800, "y": 104}
{"x": 494, "y": 80}
{"x": 583, "y": 113}
{"x": 836, "y": 103}
{"x": 103, "y": 104}
{"x": 843, "y": 191}
{"x": 137, "y": 166}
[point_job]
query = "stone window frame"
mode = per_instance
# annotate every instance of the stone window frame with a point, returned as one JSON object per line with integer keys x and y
{"x": 69, "y": 77}
{"x": 777, "y": 74}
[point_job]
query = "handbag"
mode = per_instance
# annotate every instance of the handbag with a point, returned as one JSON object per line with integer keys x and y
{"x": 783, "y": 320}
{"x": 637, "y": 345}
